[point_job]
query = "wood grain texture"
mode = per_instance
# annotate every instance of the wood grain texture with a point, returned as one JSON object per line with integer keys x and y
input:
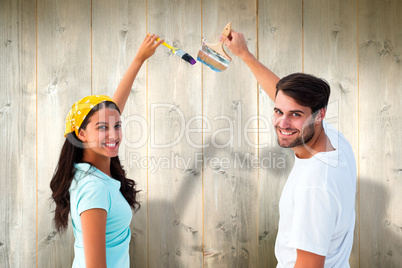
{"x": 380, "y": 72}
{"x": 64, "y": 76}
{"x": 174, "y": 102}
{"x": 330, "y": 52}
{"x": 280, "y": 48}
{"x": 119, "y": 27}
{"x": 230, "y": 160}
{"x": 17, "y": 134}
{"x": 232, "y": 211}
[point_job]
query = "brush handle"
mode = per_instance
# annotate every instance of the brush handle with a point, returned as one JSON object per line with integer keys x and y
{"x": 227, "y": 30}
{"x": 219, "y": 47}
{"x": 173, "y": 49}
{"x": 169, "y": 46}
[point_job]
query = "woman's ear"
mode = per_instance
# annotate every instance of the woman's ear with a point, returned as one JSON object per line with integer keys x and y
{"x": 82, "y": 135}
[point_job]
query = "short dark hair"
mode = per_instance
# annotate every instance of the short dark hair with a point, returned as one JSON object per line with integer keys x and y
{"x": 307, "y": 90}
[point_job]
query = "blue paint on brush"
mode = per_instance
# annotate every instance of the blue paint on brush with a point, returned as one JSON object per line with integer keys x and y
{"x": 212, "y": 59}
{"x": 209, "y": 65}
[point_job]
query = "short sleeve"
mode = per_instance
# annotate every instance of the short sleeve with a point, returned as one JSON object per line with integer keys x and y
{"x": 93, "y": 194}
{"x": 315, "y": 215}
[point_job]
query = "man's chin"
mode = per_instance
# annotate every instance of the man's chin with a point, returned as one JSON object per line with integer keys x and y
{"x": 284, "y": 144}
{"x": 289, "y": 144}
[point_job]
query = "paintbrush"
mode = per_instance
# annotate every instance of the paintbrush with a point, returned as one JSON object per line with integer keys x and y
{"x": 213, "y": 55}
{"x": 178, "y": 52}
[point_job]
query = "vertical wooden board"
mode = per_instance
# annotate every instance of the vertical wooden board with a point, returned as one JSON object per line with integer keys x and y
{"x": 17, "y": 135}
{"x": 118, "y": 29}
{"x": 230, "y": 161}
{"x": 380, "y": 76}
{"x": 280, "y": 48}
{"x": 174, "y": 117}
{"x": 63, "y": 77}
{"x": 330, "y": 52}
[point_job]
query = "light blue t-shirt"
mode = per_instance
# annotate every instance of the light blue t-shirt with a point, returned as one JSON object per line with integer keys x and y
{"x": 90, "y": 189}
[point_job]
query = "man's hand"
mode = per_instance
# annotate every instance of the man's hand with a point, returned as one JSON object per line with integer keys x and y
{"x": 237, "y": 44}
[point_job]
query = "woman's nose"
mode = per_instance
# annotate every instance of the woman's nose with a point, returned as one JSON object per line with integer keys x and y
{"x": 113, "y": 133}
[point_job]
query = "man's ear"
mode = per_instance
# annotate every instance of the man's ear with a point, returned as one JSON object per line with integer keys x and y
{"x": 320, "y": 115}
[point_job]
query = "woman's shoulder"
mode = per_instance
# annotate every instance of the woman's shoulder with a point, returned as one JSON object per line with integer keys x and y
{"x": 86, "y": 175}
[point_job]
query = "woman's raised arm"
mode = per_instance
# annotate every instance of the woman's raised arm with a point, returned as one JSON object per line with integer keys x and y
{"x": 146, "y": 50}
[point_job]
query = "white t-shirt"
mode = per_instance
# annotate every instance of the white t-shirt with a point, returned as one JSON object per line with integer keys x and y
{"x": 317, "y": 206}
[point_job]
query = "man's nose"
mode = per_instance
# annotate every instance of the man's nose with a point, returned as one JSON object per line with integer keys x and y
{"x": 283, "y": 121}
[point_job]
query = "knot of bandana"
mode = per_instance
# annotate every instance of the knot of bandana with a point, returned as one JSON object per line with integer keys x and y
{"x": 80, "y": 110}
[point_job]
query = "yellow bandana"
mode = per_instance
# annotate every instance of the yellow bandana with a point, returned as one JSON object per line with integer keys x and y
{"x": 79, "y": 111}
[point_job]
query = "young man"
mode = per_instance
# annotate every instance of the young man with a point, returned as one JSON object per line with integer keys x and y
{"x": 316, "y": 208}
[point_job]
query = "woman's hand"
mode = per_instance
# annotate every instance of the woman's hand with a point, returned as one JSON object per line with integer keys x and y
{"x": 148, "y": 47}
{"x": 146, "y": 50}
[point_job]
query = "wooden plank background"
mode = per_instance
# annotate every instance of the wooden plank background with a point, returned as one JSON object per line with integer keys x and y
{"x": 174, "y": 98}
{"x": 201, "y": 208}
{"x": 17, "y": 136}
{"x": 380, "y": 72}
{"x": 230, "y": 182}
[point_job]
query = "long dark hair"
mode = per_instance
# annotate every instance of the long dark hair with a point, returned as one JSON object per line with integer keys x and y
{"x": 72, "y": 152}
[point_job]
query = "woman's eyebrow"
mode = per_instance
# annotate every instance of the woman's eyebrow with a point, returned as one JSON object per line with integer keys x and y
{"x": 105, "y": 123}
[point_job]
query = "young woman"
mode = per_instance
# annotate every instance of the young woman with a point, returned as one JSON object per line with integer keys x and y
{"x": 89, "y": 182}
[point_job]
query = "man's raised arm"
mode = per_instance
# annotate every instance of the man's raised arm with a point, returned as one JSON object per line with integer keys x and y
{"x": 265, "y": 77}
